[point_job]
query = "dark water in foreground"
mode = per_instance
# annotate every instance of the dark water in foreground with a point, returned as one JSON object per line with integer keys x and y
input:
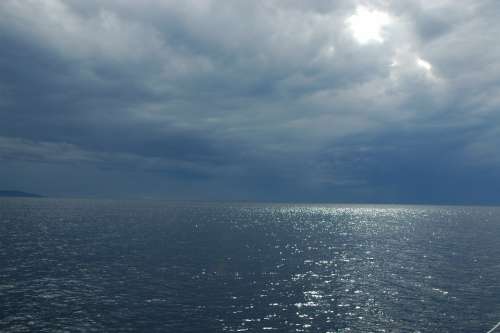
{"x": 80, "y": 265}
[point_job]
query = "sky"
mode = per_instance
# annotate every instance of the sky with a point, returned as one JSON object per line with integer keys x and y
{"x": 305, "y": 101}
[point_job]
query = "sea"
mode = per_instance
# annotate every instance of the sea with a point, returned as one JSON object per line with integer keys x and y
{"x": 73, "y": 265}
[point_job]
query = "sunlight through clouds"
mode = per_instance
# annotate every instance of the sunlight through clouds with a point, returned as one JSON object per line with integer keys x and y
{"x": 424, "y": 64}
{"x": 242, "y": 93}
{"x": 367, "y": 25}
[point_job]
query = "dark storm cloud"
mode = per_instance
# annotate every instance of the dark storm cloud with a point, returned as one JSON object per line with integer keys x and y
{"x": 270, "y": 100}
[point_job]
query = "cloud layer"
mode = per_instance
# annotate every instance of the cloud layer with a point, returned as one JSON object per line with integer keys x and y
{"x": 259, "y": 100}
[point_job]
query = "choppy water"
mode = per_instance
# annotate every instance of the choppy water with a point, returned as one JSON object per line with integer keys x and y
{"x": 81, "y": 265}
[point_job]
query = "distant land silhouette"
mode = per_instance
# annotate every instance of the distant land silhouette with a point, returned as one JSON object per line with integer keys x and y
{"x": 19, "y": 194}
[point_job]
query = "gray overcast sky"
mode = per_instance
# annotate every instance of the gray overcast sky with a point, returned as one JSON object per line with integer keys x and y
{"x": 331, "y": 101}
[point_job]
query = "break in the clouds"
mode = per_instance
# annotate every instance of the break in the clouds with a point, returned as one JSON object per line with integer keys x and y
{"x": 364, "y": 101}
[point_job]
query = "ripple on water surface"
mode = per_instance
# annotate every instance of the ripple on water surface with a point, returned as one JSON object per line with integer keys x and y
{"x": 83, "y": 265}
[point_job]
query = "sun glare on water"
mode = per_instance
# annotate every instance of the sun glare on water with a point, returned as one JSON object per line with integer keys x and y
{"x": 367, "y": 25}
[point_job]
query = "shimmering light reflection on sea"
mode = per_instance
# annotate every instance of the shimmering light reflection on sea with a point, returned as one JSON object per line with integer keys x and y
{"x": 194, "y": 267}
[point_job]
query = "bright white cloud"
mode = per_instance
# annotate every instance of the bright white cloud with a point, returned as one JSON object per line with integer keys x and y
{"x": 424, "y": 64}
{"x": 367, "y": 24}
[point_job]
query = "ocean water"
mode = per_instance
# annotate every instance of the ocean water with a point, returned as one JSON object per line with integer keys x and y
{"x": 151, "y": 266}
